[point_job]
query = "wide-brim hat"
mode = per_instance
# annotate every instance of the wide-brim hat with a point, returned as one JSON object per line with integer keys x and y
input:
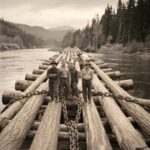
{"x": 53, "y": 62}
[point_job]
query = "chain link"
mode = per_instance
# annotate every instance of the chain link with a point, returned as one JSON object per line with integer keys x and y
{"x": 72, "y": 125}
{"x": 28, "y": 95}
{"x": 118, "y": 97}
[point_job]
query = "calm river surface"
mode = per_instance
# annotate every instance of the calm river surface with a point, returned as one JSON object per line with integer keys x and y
{"x": 15, "y": 64}
{"x": 134, "y": 67}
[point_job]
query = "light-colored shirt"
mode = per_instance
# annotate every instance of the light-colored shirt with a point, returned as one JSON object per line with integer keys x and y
{"x": 87, "y": 74}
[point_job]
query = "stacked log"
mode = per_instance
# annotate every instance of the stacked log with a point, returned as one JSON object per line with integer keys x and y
{"x": 22, "y": 85}
{"x": 141, "y": 116}
{"x": 14, "y": 133}
{"x": 128, "y": 138}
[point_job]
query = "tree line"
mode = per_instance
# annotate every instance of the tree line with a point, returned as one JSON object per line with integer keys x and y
{"x": 130, "y": 21}
{"x": 11, "y": 33}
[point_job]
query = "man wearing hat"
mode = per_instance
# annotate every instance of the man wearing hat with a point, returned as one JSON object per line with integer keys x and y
{"x": 87, "y": 76}
{"x": 64, "y": 80}
{"x": 74, "y": 79}
{"x": 53, "y": 74}
{"x": 80, "y": 60}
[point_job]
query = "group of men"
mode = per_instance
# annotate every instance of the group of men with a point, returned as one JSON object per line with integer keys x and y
{"x": 63, "y": 81}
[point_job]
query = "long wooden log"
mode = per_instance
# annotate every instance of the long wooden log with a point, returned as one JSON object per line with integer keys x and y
{"x": 62, "y": 127}
{"x": 61, "y": 135}
{"x": 31, "y": 77}
{"x": 47, "y": 134}
{"x": 125, "y": 84}
{"x": 16, "y": 106}
{"x": 44, "y": 67}
{"x": 46, "y": 63}
{"x": 7, "y": 96}
{"x": 114, "y": 74}
{"x": 141, "y": 116}
{"x": 103, "y": 66}
{"x": 37, "y": 71}
{"x": 95, "y": 133}
{"x": 128, "y": 138}
{"x": 14, "y": 133}
{"x": 22, "y": 85}
{"x": 108, "y": 70}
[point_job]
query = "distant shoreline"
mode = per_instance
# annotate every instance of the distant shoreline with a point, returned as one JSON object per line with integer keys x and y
{"x": 119, "y": 49}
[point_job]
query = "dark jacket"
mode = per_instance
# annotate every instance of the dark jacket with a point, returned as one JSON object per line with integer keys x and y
{"x": 53, "y": 73}
{"x": 74, "y": 75}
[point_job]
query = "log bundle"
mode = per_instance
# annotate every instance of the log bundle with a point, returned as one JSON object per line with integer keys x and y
{"x": 107, "y": 123}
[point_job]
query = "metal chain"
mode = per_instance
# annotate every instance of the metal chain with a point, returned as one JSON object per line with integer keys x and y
{"x": 28, "y": 95}
{"x": 72, "y": 125}
{"x": 118, "y": 97}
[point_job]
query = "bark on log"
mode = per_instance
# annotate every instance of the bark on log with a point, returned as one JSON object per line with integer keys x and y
{"x": 128, "y": 138}
{"x": 108, "y": 70}
{"x": 141, "y": 116}
{"x": 103, "y": 66}
{"x": 13, "y": 135}
{"x": 125, "y": 84}
{"x": 46, "y": 63}
{"x": 9, "y": 95}
{"x": 31, "y": 77}
{"x": 47, "y": 135}
{"x": 63, "y": 127}
{"x": 44, "y": 67}
{"x": 96, "y": 136}
{"x": 61, "y": 135}
{"x": 38, "y": 72}
{"x": 114, "y": 74}
{"x": 16, "y": 106}
{"x": 22, "y": 85}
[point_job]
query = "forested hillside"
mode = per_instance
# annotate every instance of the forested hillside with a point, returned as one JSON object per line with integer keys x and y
{"x": 12, "y": 37}
{"x": 129, "y": 23}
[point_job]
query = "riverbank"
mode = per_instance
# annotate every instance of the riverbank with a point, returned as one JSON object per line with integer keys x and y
{"x": 131, "y": 49}
{"x": 9, "y": 46}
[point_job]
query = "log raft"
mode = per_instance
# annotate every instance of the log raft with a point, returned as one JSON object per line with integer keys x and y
{"x": 106, "y": 123}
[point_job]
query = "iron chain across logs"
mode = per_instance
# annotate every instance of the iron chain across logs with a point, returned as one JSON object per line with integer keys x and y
{"x": 28, "y": 95}
{"x": 72, "y": 125}
{"x": 118, "y": 97}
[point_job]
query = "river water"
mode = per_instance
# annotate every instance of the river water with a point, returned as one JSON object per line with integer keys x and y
{"x": 133, "y": 67}
{"x": 15, "y": 64}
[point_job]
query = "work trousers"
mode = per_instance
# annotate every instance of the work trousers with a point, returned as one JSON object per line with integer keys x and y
{"x": 64, "y": 87}
{"x": 74, "y": 88}
{"x": 53, "y": 88}
{"x": 86, "y": 88}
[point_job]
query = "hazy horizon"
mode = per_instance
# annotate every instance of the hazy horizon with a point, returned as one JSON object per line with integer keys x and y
{"x": 50, "y": 14}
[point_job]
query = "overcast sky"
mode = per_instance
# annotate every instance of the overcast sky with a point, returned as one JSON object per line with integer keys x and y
{"x": 51, "y": 13}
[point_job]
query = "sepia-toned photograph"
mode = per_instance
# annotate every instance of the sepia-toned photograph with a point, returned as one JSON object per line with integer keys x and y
{"x": 75, "y": 75}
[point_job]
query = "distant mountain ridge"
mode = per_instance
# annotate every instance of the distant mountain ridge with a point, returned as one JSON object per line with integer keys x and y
{"x": 52, "y": 35}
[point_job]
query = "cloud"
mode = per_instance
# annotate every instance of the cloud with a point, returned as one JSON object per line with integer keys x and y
{"x": 42, "y": 4}
{"x": 50, "y": 13}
